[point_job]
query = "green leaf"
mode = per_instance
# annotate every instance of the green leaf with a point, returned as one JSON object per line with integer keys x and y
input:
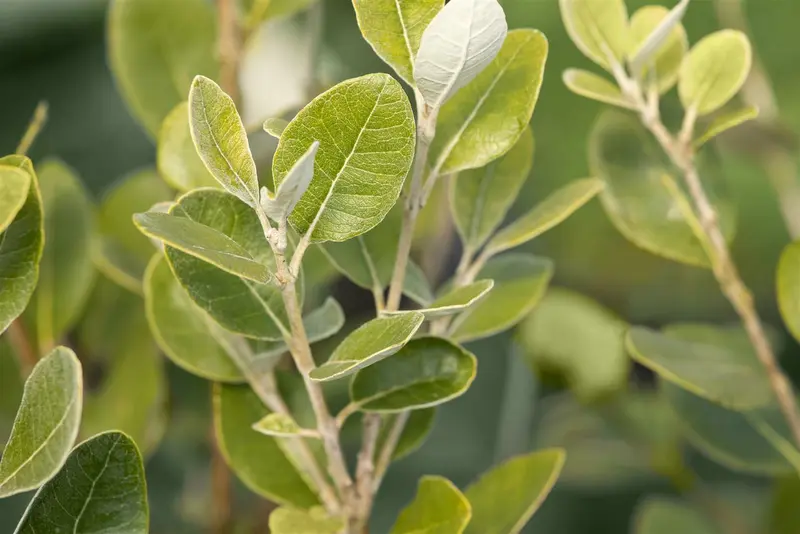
{"x": 66, "y": 272}
{"x": 551, "y": 212}
{"x": 486, "y": 118}
{"x": 370, "y": 343}
{"x": 291, "y": 188}
{"x": 788, "y": 282}
{"x": 101, "y": 489}
{"x": 660, "y": 43}
{"x": 714, "y": 71}
{"x": 520, "y": 281}
{"x": 418, "y": 425}
{"x": 456, "y": 301}
{"x": 481, "y": 198}
{"x": 183, "y": 331}
{"x": 599, "y": 28}
{"x": 255, "y": 458}
{"x": 365, "y": 128}
{"x": 714, "y": 363}
{"x": 426, "y": 372}
{"x": 725, "y": 122}
{"x": 661, "y": 515}
{"x": 295, "y": 521}
{"x": 394, "y": 30}
{"x": 438, "y": 508}
{"x": 11, "y": 385}
{"x": 176, "y": 157}
{"x": 575, "y": 336}
{"x": 14, "y": 186}
{"x": 259, "y": 11}
{"x": 121, "y": 252}
{"x": 784, "y": 513}
{"x": 279, "y": 425}
{"x": 275, "y": 127}
{"x": 590, "y": 85}
{"x": 46, "y": 424}
{"x": 504, "y": 499}
{"x": 21, "y": 245}
{"x": 416, "y": 285}
{"x": 221, "y": 140}
{"x": 237, "y": 304}
{"x": 155, "y": 48}
{"x": 460, "y": 41}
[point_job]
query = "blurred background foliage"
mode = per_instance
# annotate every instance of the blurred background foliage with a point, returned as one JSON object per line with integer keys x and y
{"x": 55, "y": 50}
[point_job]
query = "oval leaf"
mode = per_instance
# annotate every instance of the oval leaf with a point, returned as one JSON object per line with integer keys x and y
{"x": 176, "y": 157}
{"x": 599, "y": 28}
{"x": 660, "y": 515}
{"x": 714, "y": 71}
{"x": 487, "y": 117}
{"x": 725, "y": 122}
{"x": 504, "y": 499}
{"x": 101, "y": 489}
{"x": 296, "y": 521}
{"x": 275, "y": 127}
{"x": 365, "y": 128}
{"x": 660, "y": 43}
{"x": 369, "y": 344}
{"x": 14, "y": 186}
{"x": 456, "y": 300}
{"x": 426, "y": 372}
{"x": 438, "y": 508}
{"x": 590, "y": 85}
{"x": 46, "y": 424}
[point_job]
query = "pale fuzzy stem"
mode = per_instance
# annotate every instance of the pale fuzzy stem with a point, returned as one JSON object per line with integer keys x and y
{"x": 229, "y": 47}
{"x": 366, "y": 468}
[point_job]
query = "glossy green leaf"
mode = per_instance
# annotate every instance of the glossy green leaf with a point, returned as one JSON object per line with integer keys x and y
{"x": 275, "y": 127}
{"x": 788, "y": 282}
{"x": 14, "y": 186}
{"x": 457, "y": 300}
{"x": 288, "y": 193}
{"x": 573, "y": 335}
{"x": 121, "y": 252}
{"x": 661, "y": 515}
{"x": 438, "y": 508}
{"x": 599, "y": 28}
{"x": 426, "y": 372}
{"x": 155, "y": 49}
{"x": 416, "y": 430}
{"x": 315, "y": 520}
{"x": 481, "y": 198}
{"x": 590, "y": 85}
{"x": 101, "y": 489}
{"x": 256, "y": 459}
{"x": 46, "y": 424}
{"x": 394, "y": 30}
{"x": 784, "y": 513}
{"x": 221, "y": 140}
{"x": 714, "y": 363}
{"x": 660, "y": 43}
{"x": 183, "y": 331}
{"x": 714, "y": 71}
{"x": 486, "y": 118}
{"x": 239, "y": 305}
{"x": 365, "y": 128}
{"x": 460, "y": 41}
{"x": 725, "y": 122}
{"x": 370, "y": 343}
{"x": 551, "y": 212}
{"x": 176, "y": 157}
{"x": 505, "y": 498}
{"x": 520, "y": 281}
{"x": 21, "y": 247}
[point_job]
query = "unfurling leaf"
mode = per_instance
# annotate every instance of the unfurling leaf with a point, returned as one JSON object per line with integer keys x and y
{"x": 46, "y": 424}
{"x": 659, "y": 44}
{"x": 599, "y": 28}
{"x": 590, "y": 85}
{"x": 660, "y": 515}
{"x": 100, "y": 489}
{"x": 426, "y": 372}
{"x": 438, "y": 508}
{"x": 714, "y": 71}
{"x": 286, "y": 520}
{"x": 14, "y": 186}
{"x": 725, "y": 122}
{"x": 372, "y": 342}
{"x": 455, "y": 301}
{"x": 176, "y": 156}
{"x": 366, "y": 135}
{"x": 291, "y": 188}
{"x": 460, "y": 41}
{"x": 275, "y": 127}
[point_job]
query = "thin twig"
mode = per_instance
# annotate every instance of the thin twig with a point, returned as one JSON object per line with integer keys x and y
{"x": 365, "y": 470}
{"x": 35, "y": 126}
{"x": 229, "y": 47}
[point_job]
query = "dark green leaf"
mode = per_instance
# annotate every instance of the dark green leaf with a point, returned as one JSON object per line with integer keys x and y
{"x": 418, "y": 425}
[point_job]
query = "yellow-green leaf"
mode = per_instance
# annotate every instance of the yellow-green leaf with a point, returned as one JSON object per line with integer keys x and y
{"x": 14, "y": 186}
{"x": 438, "y": 508}
{"x": 286, "y": 520}
{"x": 176, "y": 157}
{"x": 599, "y": 28}
{"x": 661, "y": 63}
{"x": 275, "y": 127}
{"x": 725, "y": 122}
{"x": 590, "y": 85}
{"x": 279, "y": 425}
{"x": 456, "y": 300}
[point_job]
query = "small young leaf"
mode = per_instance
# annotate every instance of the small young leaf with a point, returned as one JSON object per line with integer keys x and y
{"x": 660, "y": 515}
{"x": 426, "y": 372}
{"x": 418, "y": 425}
{"x": 659, "y": 43}
{"x": 176, "y": 157}
{"x": 291, "y": 188}
{"x": 485, "y": 119}
{"x": 372, "y": 342}
{"x": 480, "y": 198}
{"x": 275, "y": 127}
{"x": 725, "y": 122}
{"x": 394, "y": 29}
{"x": 460, "y": 41}
{"x": 203, "y": 242}
{"x": 221, "y": 140}
{"x": 504, "y": 499}
{"x": 438, "y": 508}
{"x": 278, "y": 425}
{"x": 714, "y": 71}
{"x": 599, "y": 28}
{"x": 46, "y": 424}
{"x": 549, "y": 213}
{"x": 14, "y": 186}
{"x": 520, "y": 281}
{"x": 366, "y": 132}
{"x": 590, "y": 85}
{"x": 456, "y": 300}
{"x": 315, "y": 520}
{"x": 101, "y": 489}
